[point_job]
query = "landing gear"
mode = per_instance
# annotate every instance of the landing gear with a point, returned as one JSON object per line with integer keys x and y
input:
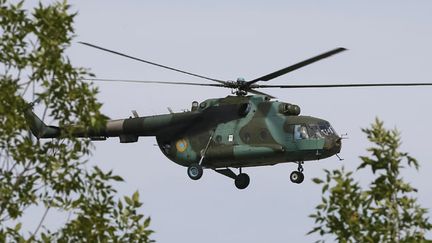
{"x": 242, "y": 181}
{"x": 195, "y": 171}
{"x": 298, "y": 176}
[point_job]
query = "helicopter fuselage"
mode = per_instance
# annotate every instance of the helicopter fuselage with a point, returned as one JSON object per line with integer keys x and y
{"x": 248, "y": 131}
{"x": 235, "y": 131}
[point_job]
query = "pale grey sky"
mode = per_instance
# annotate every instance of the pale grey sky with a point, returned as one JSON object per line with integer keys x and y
{"x": 388, "y": 41}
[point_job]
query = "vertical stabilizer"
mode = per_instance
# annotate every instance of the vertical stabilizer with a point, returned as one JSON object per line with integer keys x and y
{"x": 39, "y": 128}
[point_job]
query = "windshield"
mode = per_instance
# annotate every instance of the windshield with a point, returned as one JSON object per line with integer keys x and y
{"x": 321, "y": 130}
{"x": 314, "y": 130}
{"x": 326, "y": 128}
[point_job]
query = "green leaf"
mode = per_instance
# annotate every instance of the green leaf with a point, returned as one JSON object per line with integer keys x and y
{"x": 135, "y": 197}
{"x": 317, "y": 180}
{"x": 325, "y": 188}
{"x": 117, "y": 178}
{"x": 128, "y": 200}
{"x": 18, "y": 227}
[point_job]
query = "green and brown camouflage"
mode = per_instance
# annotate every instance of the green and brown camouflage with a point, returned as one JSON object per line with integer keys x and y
{"x": 235, "y": 131}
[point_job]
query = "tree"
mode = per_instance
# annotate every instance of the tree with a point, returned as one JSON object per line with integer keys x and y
{"x": 386, "y": 211}
{"x": 52, "y": 174}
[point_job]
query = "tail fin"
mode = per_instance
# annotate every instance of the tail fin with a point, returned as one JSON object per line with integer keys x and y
{"x": 38, "y": 127}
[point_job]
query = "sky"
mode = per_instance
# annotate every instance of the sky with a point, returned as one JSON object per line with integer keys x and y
{"x": 388, "y": 41}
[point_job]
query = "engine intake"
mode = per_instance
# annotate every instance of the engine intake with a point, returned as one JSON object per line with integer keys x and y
{"x": 289, "y": 109}
{"x": 244, "y": 109}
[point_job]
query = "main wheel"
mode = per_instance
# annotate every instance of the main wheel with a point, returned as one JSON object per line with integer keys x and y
{"x": 242, "y": 181}
{"x": 297, "y": 177}
{"x": 195, "y": 171}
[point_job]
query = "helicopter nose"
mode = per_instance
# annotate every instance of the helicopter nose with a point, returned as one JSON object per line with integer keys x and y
{"x": 333, "y": 144}
{"x": 338, "y": 144}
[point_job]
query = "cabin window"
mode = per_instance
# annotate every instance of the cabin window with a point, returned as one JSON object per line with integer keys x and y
{"x": 300, "y": 132}
{"x": 203, "y": 105}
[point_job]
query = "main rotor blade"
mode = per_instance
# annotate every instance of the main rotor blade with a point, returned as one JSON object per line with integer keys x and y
{"x": 297, "y": 66}
{"x": 260, "y": 93}
{"x": 150, "y": 82}
{"x": 151, "y": 63}
{"x": 344, "y": 85}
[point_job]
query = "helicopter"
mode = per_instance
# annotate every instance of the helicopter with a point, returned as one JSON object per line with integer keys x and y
{"x": 233, "y": 132}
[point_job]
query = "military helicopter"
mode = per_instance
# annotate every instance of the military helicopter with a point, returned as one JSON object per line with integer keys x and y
{"x": 237, "y": 131}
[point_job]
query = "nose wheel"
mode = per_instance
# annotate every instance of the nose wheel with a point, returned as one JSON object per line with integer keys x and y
{"x": 297, "y": 176}
{"x": 195, "y": 171}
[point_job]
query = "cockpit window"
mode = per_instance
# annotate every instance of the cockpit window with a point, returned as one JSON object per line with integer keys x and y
{"x": 300, "y": 132}
{"x": 326, "y": 128}
{"x": 315, "y": 131}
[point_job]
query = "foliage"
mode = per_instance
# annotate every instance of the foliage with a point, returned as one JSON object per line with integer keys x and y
{"x": 53, "y": 174}
{"x": 386, "y": 211}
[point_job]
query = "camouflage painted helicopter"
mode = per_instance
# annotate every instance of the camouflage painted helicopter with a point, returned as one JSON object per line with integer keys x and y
{"x": 233, "y": 132}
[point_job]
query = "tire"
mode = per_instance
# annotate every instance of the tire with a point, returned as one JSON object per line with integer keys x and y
{"x": 195, "y": 171}
{"x": 301, "y": 179}
{"x": 242, "y": 181}
{"x": 297, "y": 177}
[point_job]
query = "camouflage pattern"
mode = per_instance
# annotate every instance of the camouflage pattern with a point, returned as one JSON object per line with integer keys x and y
{"x": 238, "y": 131}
